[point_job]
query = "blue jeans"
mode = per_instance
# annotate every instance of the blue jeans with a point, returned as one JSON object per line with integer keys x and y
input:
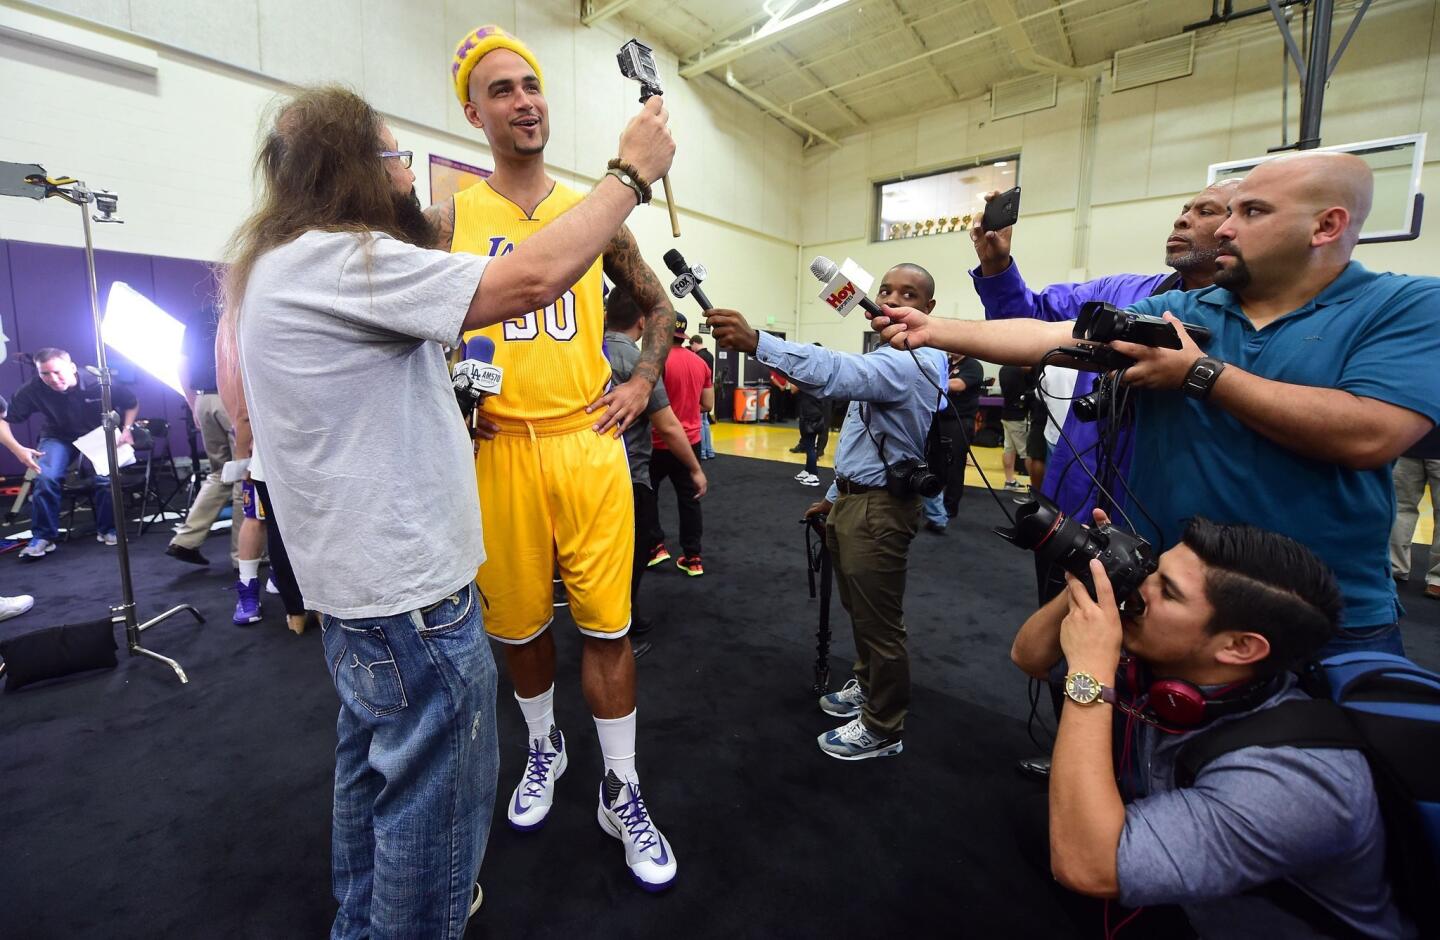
{"x": 707, "y": 444}
{"x": 415, "y": 767}
{"x": 1382, "y": 639}
{"x": 935, "y": 510}
{"x": 45, "y": 500}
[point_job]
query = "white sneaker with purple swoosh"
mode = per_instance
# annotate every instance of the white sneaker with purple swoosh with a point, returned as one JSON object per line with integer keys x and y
{"x": 622, "y": 814}
{"x": 545, "y": 762}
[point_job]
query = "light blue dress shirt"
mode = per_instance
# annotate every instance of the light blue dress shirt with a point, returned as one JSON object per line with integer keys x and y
{"x": 898, "y": 400}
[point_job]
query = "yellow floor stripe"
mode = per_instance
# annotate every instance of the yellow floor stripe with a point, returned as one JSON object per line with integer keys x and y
{"x": 773, "y": 442}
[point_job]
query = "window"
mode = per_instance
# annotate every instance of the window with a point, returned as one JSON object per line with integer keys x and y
{"x": 941, "y": 202}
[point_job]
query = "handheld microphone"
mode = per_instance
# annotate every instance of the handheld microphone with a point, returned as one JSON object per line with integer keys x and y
{"x": 687, "y": 282}
{"x": 845, "y": 286}
{"x": 476, "y": 377}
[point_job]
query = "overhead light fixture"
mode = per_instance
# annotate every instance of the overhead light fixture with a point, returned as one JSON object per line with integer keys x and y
{"x": 1000, "y": 163}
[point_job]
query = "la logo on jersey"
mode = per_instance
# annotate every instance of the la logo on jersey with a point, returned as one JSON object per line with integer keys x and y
{"x": 500, "y": 245}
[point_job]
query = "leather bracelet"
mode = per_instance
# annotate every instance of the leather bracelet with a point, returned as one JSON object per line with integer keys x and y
{"x": 622, "y": 177}
{"x": 631, "y": 177}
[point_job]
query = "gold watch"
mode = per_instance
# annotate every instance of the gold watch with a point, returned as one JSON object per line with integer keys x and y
{"x": 1084, "y": 689}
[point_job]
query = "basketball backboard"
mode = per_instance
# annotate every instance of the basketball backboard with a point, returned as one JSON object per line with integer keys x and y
{"x": 1396, "y": 162}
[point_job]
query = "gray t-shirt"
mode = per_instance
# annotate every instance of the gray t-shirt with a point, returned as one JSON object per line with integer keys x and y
{"x": 623, "y": 354}
{"x": 365, "y": 452}
{"x": 1254, "y": 816}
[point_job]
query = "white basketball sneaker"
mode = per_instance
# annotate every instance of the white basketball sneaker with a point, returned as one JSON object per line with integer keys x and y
{"x": 622, "y": 814}
{"x": 545, "y": 762}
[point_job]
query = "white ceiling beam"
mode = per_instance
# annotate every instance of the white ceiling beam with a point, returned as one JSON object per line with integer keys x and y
{"x": 920, "y": 42}
{"x": 592, "y": 12}
{"x": 814, "y": 81}
{"x": 729, "y": 29}
{"x": 773, "y": 108}
{"x": 921, "y": 57}
{"x": 1003, "y": 13}
{"x": 773, "y": 31}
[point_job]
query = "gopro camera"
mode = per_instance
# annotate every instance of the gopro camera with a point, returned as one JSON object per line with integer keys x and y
{"x": 637, "y": 61}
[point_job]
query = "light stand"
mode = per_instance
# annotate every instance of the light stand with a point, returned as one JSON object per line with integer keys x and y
{"x": 77, "y": 193}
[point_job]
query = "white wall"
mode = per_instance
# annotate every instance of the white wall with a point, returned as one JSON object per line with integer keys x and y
{"x": 1152, "y": 147}
{"x": 178, "y": 146}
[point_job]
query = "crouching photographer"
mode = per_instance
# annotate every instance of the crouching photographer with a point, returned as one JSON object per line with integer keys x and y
{"x": 1280, "y": 841}
{"x": 873, "y": 508}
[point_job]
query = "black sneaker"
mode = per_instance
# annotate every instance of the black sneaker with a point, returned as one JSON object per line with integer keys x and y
{"x": 190, "y": 555}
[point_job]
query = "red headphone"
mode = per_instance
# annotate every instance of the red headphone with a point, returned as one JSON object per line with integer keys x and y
{"x": 1178, "y": 705}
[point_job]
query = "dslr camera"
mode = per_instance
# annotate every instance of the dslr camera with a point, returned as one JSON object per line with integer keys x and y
{"x": 1097, "y": 404}
{"x": 1100, "y": 322}
{"x": 911, "y": 477}
{"x": 1058, "y": 539}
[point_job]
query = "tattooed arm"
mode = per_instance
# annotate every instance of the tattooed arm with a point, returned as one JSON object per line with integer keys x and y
{"x": 625, "y": 267}
{"x": 442, "y": 217}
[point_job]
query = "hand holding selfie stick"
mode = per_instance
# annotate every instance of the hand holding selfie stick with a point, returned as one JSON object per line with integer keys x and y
{"x": 637, "y": 61}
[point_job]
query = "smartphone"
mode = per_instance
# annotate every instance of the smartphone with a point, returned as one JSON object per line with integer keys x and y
{"x": 1001, "y": 212}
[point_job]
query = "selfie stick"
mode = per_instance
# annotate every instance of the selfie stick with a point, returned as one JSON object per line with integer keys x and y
{"x": 637, "y": 61}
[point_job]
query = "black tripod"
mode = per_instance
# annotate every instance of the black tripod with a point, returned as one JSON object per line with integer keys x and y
{"x": 29, "y": 180}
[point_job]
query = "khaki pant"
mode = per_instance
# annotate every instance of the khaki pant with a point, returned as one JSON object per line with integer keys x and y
{"x": 1411, "y": 474}
{"x": 215, "y": 430}
{"x": 1016, "y": 433}
{"x": 869, "y": 537}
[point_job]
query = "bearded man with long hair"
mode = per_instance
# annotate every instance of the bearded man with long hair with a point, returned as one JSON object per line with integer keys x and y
{"x": 337, "y": 317}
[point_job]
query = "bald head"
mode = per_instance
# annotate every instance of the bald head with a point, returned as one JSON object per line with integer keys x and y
{"x": 1293, "y": 224}
{"x": 1322, "y": 179}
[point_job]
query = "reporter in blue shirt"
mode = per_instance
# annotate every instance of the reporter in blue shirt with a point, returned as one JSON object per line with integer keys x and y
{"x": 893, "y": 396}
{"x": 1318, "y": 375}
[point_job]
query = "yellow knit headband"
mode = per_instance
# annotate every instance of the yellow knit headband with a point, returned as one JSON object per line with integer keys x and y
{"x": 479, "y": 44}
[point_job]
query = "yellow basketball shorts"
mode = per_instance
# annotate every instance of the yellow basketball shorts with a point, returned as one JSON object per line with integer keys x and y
{"x": 555, "y": 493}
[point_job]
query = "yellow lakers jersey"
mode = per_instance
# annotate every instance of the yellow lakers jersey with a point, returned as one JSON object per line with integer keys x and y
{"x": 553, "y": 359}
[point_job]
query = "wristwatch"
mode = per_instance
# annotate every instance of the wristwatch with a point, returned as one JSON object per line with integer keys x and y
{"x": 1084, "y": 689}
{"x": 1201, "y": 377}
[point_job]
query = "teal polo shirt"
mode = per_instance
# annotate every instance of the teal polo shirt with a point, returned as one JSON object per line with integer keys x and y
{"x": 1373, "y": 335}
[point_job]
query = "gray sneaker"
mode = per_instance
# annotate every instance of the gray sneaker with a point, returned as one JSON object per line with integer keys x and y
{"x": 854, "y": 741}
{"x": 107, "y": 538}
{"x": 846, "y": 703}
{"x": 38, "y": 548}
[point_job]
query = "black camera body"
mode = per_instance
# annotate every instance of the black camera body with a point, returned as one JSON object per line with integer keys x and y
{"x": 1057, "y": 539}
{"x": 1100, "y": 322}
{"x": 1098, "y": 403}
{"x": 911, "y": 477}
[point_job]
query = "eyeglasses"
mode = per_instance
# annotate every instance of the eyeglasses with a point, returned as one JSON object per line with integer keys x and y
{"x": 406, "y": 157}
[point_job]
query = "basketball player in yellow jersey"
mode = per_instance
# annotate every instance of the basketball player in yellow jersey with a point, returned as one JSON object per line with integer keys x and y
{"x": 554, "y": 481}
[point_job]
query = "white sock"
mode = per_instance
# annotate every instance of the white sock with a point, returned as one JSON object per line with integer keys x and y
{"x": 539, "y": 715}
{"x": 617, "y": 743}
{"x": 249, "y": 570}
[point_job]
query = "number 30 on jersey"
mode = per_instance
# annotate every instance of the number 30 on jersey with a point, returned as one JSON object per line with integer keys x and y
{"x": 559, "y": 317}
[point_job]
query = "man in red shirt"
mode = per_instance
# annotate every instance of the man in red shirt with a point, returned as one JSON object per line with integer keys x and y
{"x": 691, "y": 390}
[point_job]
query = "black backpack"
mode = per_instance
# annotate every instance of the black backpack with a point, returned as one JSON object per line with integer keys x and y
{"x": 1388, "y": 708}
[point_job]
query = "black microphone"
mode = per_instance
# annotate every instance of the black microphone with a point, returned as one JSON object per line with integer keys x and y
{"x": 687, "y": 279}
{"x": 687, "y": 282}
{"x": 841, "y": 293}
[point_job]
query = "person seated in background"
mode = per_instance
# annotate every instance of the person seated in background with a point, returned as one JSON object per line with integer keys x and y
{"x": 625, "y": 324}
{"x": 70, "y": 409}
{"x": 870, "y": 519}
{"x": 1230, "y": 611}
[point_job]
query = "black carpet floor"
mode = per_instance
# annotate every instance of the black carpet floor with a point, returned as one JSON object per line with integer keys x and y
{"x": 133, "y": 806}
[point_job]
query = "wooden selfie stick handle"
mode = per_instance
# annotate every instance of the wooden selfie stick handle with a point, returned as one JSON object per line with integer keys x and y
{"x": 670, "y": 204}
